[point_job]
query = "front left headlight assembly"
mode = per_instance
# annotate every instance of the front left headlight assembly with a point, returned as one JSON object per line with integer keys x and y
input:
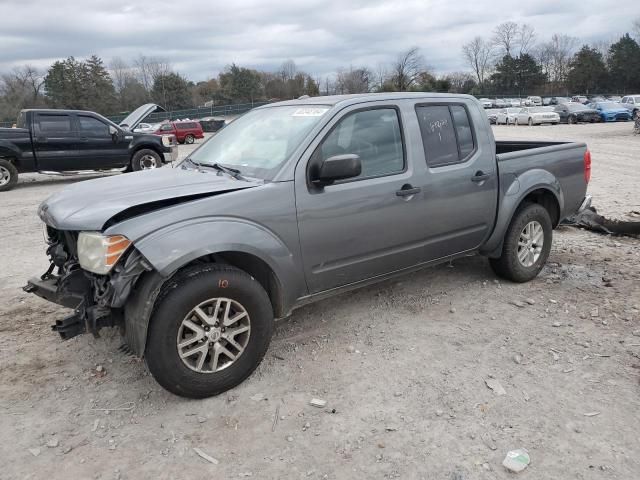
{"x": 98, "y": 253}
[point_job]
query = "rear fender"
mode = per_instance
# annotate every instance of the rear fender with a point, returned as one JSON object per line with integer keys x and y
{"x": 517, "y": 191}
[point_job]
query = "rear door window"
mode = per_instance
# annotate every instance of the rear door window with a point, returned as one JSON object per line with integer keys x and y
{"x": 447, "y": 135}
{"x": 54, "y": 124}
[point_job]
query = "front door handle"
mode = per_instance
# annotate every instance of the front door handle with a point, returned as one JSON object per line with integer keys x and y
{"x": 407, "y": 190}
{"x": 480, "y": 176}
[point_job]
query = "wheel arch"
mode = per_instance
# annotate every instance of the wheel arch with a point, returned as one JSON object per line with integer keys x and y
{"x": 535, "y": 186}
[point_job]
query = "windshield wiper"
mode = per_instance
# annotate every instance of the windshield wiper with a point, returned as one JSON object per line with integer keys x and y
{"x": 234, "y": 172}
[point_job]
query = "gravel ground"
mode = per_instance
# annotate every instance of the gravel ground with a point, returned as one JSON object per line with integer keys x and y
{"x": 403, "y": 366}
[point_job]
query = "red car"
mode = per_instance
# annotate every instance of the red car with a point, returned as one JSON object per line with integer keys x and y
{"x": 185, "y": 132}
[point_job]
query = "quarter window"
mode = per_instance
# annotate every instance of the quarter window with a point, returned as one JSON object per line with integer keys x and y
{"x": 373, "y": 135}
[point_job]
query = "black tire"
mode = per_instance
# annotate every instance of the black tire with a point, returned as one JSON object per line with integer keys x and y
{"x": 189, "y": 139}
{"x": 8, "y": 175}
{"x": 145, "y": 159}
{"x": 508, "y": 265}
{"x": 571, "y": 120}
{"x": 182, "y": 294}
{"x": 531, "y": 122}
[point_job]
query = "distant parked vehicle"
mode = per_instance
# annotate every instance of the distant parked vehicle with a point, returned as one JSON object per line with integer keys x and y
{"x": 559, "y": 100}
{"x": 598, "y": 98}
{"x": 614, "y": 98}
{"x": 537, "y": 116}
{"x": 146, "y": 127}
{"x": 185, "y": 132}
{"x": 632, "y": 103}
{"x": 577, "y": 113}
{"x": 546, "y": 101}
{"x": 515, "y": 102}
{"x": 507, "y": 116}
{"x": 500, "y": 103}
{"x": 611, "y": 111}
{"x": 492, "y": 114}
{"x": 534, "y": 101}
{"x": 486, "y": 102}
{"x": 580, "y": 99}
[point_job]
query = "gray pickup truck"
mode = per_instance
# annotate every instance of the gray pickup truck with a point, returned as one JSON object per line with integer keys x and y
{"x": 294, "y": 202}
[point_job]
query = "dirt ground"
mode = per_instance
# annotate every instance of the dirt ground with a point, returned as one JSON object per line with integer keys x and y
{"x": 403, "y": 366}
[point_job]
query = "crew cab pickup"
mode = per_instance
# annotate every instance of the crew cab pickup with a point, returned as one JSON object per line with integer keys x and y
{"x": 74, "y": 141}
{"x": 293, "y": 202}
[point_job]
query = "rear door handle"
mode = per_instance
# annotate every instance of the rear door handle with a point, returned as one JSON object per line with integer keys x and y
{"x": 407, "y": 190}
{"x": 480, "y": 176}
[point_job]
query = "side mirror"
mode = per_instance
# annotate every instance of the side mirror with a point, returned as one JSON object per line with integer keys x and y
{"x": 113, "y": 131}
{"x": 338, "y": 167}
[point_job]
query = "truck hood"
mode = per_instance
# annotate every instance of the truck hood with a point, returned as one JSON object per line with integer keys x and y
{"x": 91, "y": 204}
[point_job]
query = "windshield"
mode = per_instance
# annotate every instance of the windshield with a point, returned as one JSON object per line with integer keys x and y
{"x": 259, "y": 142}
{"x": 609, "y": 105}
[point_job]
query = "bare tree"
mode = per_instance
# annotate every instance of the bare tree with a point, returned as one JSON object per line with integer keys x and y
{"x": 478, "y": 53}
{"x": 526, "y": 38}
{"x": 288, "y": 70}
{"x": 460, "y": 81}
{"x": 636, "y": 28}
{"x": 505, "y": 37}
{"x": 406, "y": 69}
{"x": 353, "y": 80}
{"x": 561, "y": 48}
{"x": 120, "y": 71}
{"x": 150, "y": 68}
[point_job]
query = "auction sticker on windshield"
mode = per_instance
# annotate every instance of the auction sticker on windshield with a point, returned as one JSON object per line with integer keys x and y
{"x": 310, "y": 112}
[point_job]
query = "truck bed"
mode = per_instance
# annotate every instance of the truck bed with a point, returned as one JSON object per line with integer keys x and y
{"x": 558, "y": 164}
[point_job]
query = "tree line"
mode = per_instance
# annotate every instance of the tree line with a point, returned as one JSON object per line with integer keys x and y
{"x": 512, "y": 62}
{"x": 508, "y": 62}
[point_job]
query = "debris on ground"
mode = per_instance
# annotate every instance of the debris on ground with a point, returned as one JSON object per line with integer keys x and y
{"x": 495, "y": 385}
{"x": 208, "y": 458}
{"x": 34, "y": 451}
{"x": 318, "y": 402}
{"x": 257, "y": 397}
{"x": 516, "y": 460}
{"x": 590, "y": 220}
{"x": 53, "y": 443}
{"x": 591, "y": 414}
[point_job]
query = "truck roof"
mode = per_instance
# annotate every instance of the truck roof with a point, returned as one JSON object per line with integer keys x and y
{"x": 365, "y": 97}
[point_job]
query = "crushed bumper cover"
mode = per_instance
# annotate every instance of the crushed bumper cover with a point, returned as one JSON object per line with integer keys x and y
{"x": 48, "y": 288}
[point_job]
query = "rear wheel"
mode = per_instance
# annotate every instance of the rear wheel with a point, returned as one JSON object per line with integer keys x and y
{"x": 571, "y": 120}
{"x": 211, "y": 327}
{"x": 8, "y": 175}
{"x": 527, "y": 244}
{"x": 145, "y": 159}
{"x": 189, "y": 139}
{"x": 530, "y": 122}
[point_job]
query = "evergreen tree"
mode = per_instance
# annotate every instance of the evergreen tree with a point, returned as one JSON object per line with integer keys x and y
{"x": 587, "y": 71}
{"x": 624, "y": 65}
{"x": 172, "y": 91}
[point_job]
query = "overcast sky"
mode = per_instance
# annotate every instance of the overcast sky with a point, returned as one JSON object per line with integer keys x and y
{"x": 200, "y": 37}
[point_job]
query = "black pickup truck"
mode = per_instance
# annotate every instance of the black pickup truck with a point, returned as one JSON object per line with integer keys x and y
{"x": 74, "y": 141}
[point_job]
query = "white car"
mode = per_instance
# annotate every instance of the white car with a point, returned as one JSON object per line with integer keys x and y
{"x": 486, "y": 102}
{"x": 515, "y": 102}
{"x": 507, "y": 116}
{"x": 146, "y": 128}
{"x": 534, "y": 101}
{"x": 537, "y": 116}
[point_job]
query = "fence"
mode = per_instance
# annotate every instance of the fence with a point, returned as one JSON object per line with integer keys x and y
{"x": 195, "y": 113}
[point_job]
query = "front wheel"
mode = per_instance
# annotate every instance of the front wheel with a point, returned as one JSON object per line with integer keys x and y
{"x": 189, "y": 139}
{"x": 145, "y": 159}
{"x": 531, "y": 122}
{"x": 8, "y": 175}
{"x": 571, "y": 120}
{"x": 527, "y": 244}
{"x": 210, "y": 329}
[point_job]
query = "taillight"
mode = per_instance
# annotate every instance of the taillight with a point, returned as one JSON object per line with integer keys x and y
{"x": 587, "y": 166}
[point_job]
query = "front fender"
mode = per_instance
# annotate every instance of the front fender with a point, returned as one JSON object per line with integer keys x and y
{"x": 175, "y": 246}
{"x": 516, "y": 192}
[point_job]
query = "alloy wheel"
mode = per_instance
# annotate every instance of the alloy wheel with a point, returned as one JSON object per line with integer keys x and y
{"x": 148, "y": 162}
{"x": 530, "y": 243}
{"x": 5, "y": 176}
{"x": 213, "y": 335}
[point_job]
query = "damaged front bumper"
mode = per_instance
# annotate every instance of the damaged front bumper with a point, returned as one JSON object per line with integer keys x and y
{"x": 74, "y": 293}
